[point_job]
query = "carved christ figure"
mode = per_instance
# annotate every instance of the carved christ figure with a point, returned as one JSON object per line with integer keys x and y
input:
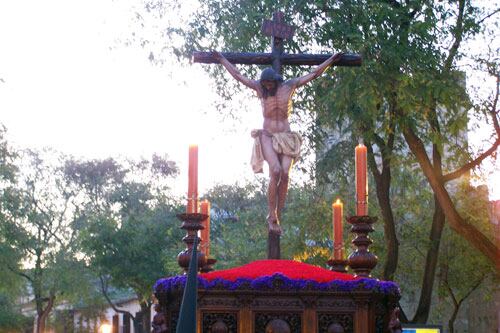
{"x": 275, "y": 142}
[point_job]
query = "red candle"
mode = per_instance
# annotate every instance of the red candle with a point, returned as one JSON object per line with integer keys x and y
{"x": 361, "y": 181}
{"x": 338, "y": 242}
{"x": 205, "y": 233}
{"x": 192, "y": 197}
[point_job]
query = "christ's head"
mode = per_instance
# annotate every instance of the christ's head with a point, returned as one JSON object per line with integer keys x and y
{"x": 270, "y": 80}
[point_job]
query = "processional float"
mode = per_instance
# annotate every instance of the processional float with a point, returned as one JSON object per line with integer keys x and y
{"x": 277, "y": 295}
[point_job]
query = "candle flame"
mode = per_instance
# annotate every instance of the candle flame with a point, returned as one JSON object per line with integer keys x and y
{"x": 338, "y": 202}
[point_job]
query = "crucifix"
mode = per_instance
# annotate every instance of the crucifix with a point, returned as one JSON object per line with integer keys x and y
{"x": 275, "y": 143}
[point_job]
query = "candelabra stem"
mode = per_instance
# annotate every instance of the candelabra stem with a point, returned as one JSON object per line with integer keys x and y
{"x": 191, "y": 222}
{"x": 362, "y": 261}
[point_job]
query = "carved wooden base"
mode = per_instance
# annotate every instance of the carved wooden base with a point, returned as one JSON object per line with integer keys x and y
{"x": 191, "y": 222}
{"x": 288, "y": 311}
{"x": 362, "y": 261}
{"x": 338, "y": 265}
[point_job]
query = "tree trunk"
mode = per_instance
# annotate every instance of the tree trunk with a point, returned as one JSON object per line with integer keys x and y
{"x": 40, "y": 324}
{"x": 146, "y": 316}
{"x": 391, "y": 241}
{"x": 457, "y": 303}
{"x": 137, "y": 325}
{"x": 41, "y": 319}
{"x": 383, "y": 188}
{"x": 37, "y": 290}
{"x": 438, "y": 220}
{"x": 104, "y": 289}
{"x": 424, "y": 304}
{"x": 451, "y": 322}
{"x": 467, "y": 231}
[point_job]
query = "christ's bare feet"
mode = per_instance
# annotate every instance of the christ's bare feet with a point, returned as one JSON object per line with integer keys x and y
{"x": 274, "y": 225}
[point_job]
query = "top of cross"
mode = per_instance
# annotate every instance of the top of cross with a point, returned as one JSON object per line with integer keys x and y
{"x": 277, "y": 27}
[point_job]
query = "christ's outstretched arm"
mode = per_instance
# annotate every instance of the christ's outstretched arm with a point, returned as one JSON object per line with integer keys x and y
{"x": 234, "y": 71}
{"x": 300, "y": 81}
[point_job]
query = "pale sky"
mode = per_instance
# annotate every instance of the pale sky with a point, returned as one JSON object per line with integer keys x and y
{"x": 68, "y": 84}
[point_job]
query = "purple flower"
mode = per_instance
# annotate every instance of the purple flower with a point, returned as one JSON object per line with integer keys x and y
{"x": 279, "y": 282}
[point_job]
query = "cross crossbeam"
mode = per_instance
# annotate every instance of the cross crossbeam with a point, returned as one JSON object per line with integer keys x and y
{"x": 278, "y": 31}
{"x": 255, "y": 58}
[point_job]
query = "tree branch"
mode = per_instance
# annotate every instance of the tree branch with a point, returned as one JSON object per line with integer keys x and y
{"x": 488, "y": 16}
{"x": 106, "y": 296}
{"x": 494, "y": 111}
{"x": 379, "y": 141}
{"x": 452, "y": 294}
{"x": 458, "y": 32}
{"x": 44, "y": 228}
{"x": 393, "y": 3}
{"x": 472, "y": 164}
{"x": 15, "y": 271}
{"x": 474, "y": 287}
{"x": 456, "y": 302}
{"x": 473, "y": 235}
{"x": 371, "y": 161}
{"x": 387, "y": 152}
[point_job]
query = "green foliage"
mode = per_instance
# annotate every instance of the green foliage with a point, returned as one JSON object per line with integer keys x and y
{"x": 11, "y": 286}
{"x": 10, "y": 261}
{"x": 38, "y": 248}
{"x": 132, "y": 248}
{"x": 9, "y": 257}
{"x": 462, "y": 269}
{"x": 239, "y": 229}
{"x": 7, "y": 157}
{"x": 473, "y": 205}
{"x": 127, "y": 219}
{"x": 238, "y": 223}
{"x": 11, "y": 319}
{"x": 61, "y": 216}
{"x": 308, "y": 223}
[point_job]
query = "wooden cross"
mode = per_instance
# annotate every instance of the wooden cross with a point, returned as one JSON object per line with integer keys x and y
{"x": 278, "y": 31}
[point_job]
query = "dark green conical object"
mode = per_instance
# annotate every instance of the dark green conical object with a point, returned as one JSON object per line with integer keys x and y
{"x": 187, "y": 315}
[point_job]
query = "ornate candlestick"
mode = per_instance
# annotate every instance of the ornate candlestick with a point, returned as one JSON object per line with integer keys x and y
{"x": 362, "y": 261}
{"x": 191, "y": 222}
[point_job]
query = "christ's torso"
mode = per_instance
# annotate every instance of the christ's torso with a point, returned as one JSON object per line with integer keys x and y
{"x": 277, "y": 108}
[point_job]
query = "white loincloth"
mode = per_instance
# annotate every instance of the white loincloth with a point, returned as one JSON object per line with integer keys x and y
{"x": 286, "y": 143}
